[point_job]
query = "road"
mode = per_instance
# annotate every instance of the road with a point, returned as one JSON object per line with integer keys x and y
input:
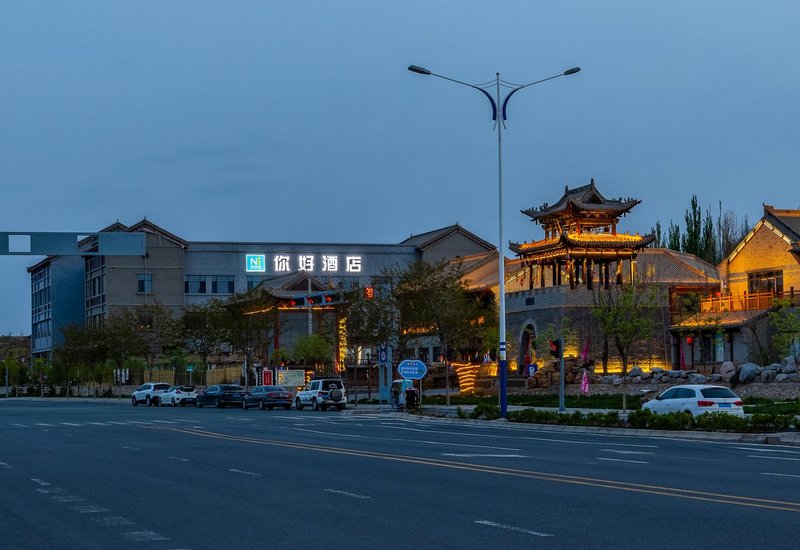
{"x": 107, "y": 475}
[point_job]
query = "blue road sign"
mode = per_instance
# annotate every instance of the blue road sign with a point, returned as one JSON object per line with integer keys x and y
{"x": 413, "y": 369}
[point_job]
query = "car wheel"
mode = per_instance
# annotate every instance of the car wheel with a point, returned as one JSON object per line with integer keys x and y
{"x": 133, "y": 401}
{"x": 183, "y": 403}
{"x": 244, "y": 404}
{"x": 323, "y": 407}
{"x": 260, "y": 404}
{"x": 148, "y": 401}
{"x": 218, "y": 403}
{"x": 298, "y": 404}
{"x": 287, "y": 407}
{"x": 270, "y": 407}
{"x": 340, "y": 407}
{"x": 314, "y": 404}
{"x": 198, "y": 404}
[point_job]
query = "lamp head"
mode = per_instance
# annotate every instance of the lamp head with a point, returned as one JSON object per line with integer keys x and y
{"x": 568, "y": 72}
{"x": 421, "y": 70}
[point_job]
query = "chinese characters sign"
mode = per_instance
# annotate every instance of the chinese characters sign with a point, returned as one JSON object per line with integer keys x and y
{"x": 288, "y": 263}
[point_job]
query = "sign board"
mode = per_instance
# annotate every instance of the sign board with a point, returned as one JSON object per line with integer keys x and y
{"x": 383, "y": 353}
{"x": 255, "y": 263}
{"x": 413, "y": 369}
{"x": 266, "y": 377}
{"x": 189, "y": 368}
{"x": 291, "y": 377}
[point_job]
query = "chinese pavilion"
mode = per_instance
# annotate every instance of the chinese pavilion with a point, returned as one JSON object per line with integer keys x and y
{"x": 581, "y": 241}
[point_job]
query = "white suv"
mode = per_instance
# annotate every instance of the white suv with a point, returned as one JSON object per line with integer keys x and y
{"x": 149, "y": 393}
{"x": 321, "y": 394}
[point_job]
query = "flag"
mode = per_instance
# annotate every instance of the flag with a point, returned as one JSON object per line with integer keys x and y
{"x": 585, "y": 383}
{"x": 585, "y": 352}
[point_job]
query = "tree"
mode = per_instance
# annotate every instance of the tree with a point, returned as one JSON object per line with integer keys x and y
{"x": 690, "y": 241}
{"x": 203, "y": 328}
{"x": 784, "y": 319}
{"x": 434, "y": 299}
{"x": 367, "y": 317}
{"x": 313, "y": 349}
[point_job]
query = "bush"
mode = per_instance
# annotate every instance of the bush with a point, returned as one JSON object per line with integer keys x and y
{"x": 672, "y": 421}
{"x": 485, "y": 411}
{"x": 797, "y": 424}
{"x": 640, "y": 419}
{"x": 533, "y": 416}
{"x": 721, "y": 422}
{"x": 461, "y": 413}
{"x": 603, "y": 420}
{"x": 770, "y": 422}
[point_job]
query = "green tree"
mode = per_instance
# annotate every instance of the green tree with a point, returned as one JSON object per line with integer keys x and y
{"x": 367, "y": 316}
{"x": 435, "y": 299}
{"x": 784, "y": 319}
{"x": 313, "y": 349}
{"x": 691, "y": 238}
{"x": 674, "y": 237}
{"x": 203, "y": 328}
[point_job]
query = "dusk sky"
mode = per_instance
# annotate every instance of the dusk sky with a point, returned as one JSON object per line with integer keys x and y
{"x": 298, "y": 121}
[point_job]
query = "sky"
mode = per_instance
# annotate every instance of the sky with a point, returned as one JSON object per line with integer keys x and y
{"x": 298, "y": 121}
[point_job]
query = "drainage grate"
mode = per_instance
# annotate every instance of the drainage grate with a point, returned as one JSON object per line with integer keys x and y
{"x": 772, "y": 440}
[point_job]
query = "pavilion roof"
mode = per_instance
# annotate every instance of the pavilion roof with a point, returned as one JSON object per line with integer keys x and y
{"x": 585, "y": 199}
{"x": 567, "y": 241}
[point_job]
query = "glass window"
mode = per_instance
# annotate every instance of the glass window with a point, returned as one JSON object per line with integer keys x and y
{"x": 684, "y": 393}
{"x": 253, "y": 281}
{"x": 765, "y": 281}
{"x": 194, "y": 284}
{"x": 222, "y": 284}
{"x": 145, "y": 282}
{"x": 669, "y": 394}
{"x": 717, "y": 392}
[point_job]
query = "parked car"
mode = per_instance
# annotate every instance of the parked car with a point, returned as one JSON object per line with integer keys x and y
{"x": 149, "y": 393}
{"x": 268, "y": 397}
{"x": 221, "y": 395}
{"x": 321, "y": 394}
{"x": 696, "y": 399}
{"x": 178, "y": 395}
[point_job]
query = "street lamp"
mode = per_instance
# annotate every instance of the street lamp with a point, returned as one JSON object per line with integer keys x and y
{"x": 495, "y": 102}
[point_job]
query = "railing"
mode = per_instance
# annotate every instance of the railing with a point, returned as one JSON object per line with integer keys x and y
{"x": 746, "y": 301}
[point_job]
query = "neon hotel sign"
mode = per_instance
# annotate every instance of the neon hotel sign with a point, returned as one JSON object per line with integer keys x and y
{"x": 286, "y": 263}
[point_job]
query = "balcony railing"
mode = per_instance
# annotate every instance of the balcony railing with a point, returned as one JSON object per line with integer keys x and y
{"x": 746, "y": 301}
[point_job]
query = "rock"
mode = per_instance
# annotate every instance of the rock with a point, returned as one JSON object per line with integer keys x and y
{"x": 747, "y": 372}
{"x": 647, "y": 375}
{"x": 782, "y": 378}
{"x": 768, "y": 375}
{"x": 716, "y": 378}
{"x": 617, "y": 381}
{"x": 674, "y": 373}
{"x": 636, "y": 380}
{"x": 657, "y": 370}
{"x": 789, "y": 361}
{"x": 788, "y": 369}
{"x": 607, "y": 379}
{"x": 635, "y": 371}
{"x": 685, "y": 374}
{"x": 727, "y": 368}
{"x": 695, "y": 378}
{"x": 794, "y": 377}
{"x": 570, "y": 377}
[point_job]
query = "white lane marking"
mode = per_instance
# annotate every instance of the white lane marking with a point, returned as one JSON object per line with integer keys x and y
{"x": 98, "y": 423}
{"x": 439, "y": 443}
{"x": 39, "y": 481}
{"x": 345, "y": 493}
{"x": 512, "y": 528}
{"x": 131, "y": 448}
{"x": 116, "y": 520}
{"x": 624, "y": 452}
{"x": 49, "y": 491}
{"x": 773, "y": 457}
{"x": 179, "y": 458}
{"x": 70, "y": 424}
{"x": 235, "y": 471}
{"x": 117, "y": 423}
{"x": 198, "y": 427}
{"x": 45, "y": 424}
{"x": 69, "y": 498}
{"x": 762, "y": 450}
{"x": 781, "y": 475}
{"x": 623, "y": 460}
{"x": 136, "y": 422}
{"x": 474, "y": 455}
{"x": 5, "y": 465}
{"x": 164, "y": 421}
{"x": 88, "y": 509}
{"x": 20, "y": 425}
{"x": 142, "y": 536}
{"x": 527, "y": 438}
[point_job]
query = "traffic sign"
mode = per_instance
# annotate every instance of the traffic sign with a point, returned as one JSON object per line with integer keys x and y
{"x": 189, "y": 368}
{"x": 413, "y": 369}
{"x": 383, "y": 353}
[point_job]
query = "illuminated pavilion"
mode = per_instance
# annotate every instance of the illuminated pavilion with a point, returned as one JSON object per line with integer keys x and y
{"x": 581, "y": 243}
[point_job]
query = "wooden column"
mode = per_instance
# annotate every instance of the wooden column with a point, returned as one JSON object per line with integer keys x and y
{"x": 589, "y": 272}
{"x": 571, "y": 273}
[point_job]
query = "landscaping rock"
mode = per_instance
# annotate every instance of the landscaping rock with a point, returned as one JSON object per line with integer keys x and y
{"x": 647, "y": 375}
{"x": 635, "y": 371}
{"x": 788, "y": 369}
{"x": 727, "y": 368}
{"x": 768, "y": 375}
{"x": 747, "y": 372}
{"x": 782, "y": 378}
{"x": 715, "y": 378}
{"x": 695, "y": 378}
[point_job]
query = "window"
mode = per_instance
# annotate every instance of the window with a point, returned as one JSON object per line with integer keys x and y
{"x": 253, "y": 281}
{"x": 669, "y": 394}
{"x": 684, "y": 393}
{"x": 194, "y": 284}
{"x": 222, "y": 284}
{"x": 765, "y": 281}
{"x": 145, "y": 282}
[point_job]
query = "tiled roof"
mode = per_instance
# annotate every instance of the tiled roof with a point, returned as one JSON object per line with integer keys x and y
{"x": 722, "y": 319}
{"x": 584, "y": 198}
{"x": 424, "y": 240}
{"x": 584, "y": 240}
{"x": 787, "y": 221}
{"x": 673, "y": 268}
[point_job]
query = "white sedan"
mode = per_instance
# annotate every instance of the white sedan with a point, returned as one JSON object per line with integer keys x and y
{"x": 178, "y": 395}
{"x": 697, "y": 399}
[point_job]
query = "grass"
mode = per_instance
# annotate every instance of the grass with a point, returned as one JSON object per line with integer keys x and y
{"x": 762, "y": 405}
{"x": 588, "y": 402}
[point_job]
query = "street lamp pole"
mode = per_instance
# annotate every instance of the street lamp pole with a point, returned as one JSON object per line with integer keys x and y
{"x": 501, "y": 268}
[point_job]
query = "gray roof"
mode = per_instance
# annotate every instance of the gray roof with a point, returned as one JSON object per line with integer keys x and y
{"x": 429, "y": 238}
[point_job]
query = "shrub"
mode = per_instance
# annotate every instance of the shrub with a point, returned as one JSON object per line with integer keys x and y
{"x": 770, "y": 422}
{"x": 485, "y": 411}
{"x": 604, "y": 420}
{"x": 462, "y": 414}
{"x": 640, "y": 419}
{"x": 797, "y": 424}
{"x": 672, "y": 421}
{"x": 721, "y": 422}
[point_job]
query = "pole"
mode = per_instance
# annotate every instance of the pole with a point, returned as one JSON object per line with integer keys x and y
{"x": 501, "y": 268}
{"x": 561, "y": 407}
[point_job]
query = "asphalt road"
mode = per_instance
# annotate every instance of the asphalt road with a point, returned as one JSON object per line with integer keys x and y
{"x": 108, "y": 475}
